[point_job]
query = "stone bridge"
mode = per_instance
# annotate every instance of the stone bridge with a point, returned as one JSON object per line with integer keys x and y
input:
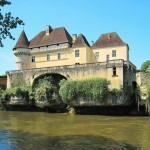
{"x": 79, "y": 71}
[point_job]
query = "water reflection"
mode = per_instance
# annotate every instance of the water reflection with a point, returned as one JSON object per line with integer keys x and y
{"x": 7, "y": 140}
{"x": 36, "y": 130}
{"x": 28, "y": 141}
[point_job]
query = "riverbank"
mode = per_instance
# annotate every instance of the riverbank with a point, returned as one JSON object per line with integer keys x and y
{"x": 113, "y": 110}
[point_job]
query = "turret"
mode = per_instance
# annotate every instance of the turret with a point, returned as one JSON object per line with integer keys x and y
{"x": 22, "y": 52}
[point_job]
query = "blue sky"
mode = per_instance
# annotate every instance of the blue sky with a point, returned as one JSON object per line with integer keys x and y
{"x": 129, "y": 18}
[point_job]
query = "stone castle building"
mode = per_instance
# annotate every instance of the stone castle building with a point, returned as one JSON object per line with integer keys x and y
{"x": 55, "y": 52}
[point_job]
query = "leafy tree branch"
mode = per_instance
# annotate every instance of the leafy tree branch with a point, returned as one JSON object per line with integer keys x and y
{"x": 7, "y": 22}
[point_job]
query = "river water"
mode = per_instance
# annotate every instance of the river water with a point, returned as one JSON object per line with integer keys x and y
{"x": 46, "y": 131}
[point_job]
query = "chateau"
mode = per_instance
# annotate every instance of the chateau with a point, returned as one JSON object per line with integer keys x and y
{"x": 54, "y": 51}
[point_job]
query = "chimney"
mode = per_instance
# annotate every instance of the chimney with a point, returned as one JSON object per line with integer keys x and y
{"x": 109, "y": 36}
{"x": 92, "y": 42}
{"x": 74, "y": 38}
{"x": 48, "y": 29}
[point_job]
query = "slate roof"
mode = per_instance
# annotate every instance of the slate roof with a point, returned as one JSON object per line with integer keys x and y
{"x": 81, "y": 41}
{"x": 22, "y": 41}
{"x": 108, "y": 40}
{"x": 60, "y": 35}
{"x": 56, "y": 36}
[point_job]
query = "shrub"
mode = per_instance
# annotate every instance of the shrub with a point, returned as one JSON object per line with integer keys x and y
{"x": 46, "y": 89}
{"x": 24, "y": 91}
{"x": 67, "y": 90}
{"x": 96, "y": 88}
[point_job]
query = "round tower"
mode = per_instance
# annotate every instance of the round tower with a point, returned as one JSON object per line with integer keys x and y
{"x": 22, "y": 52}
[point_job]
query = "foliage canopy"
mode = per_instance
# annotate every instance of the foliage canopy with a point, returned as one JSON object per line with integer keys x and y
{"x": 145, "y": 66}
{"x": 24, "y": 90}
{"x": 45, "y": 89}
{"x": 7, "y": 22}
{"x": 96, "y": 88}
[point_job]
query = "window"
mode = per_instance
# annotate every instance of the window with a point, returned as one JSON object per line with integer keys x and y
{"x": 58, "y": 55}
{"x": 107, "y": 58}
{"x": 77, "y": 53}
{"x": 48, "y": 57}
{"x": 113, "y": 53}
{"x": 114, "y": 71}
{"x": 97, "y": 55}
{"x": 33, "y": 59}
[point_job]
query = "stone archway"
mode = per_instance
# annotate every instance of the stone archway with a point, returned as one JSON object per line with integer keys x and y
{"x": 46, "y": 89}
{"x": 134, "y": 86}
{"x": 55, "y": 76}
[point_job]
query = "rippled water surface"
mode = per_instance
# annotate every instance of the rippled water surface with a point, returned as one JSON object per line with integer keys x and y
{"x": 40, "y": 131}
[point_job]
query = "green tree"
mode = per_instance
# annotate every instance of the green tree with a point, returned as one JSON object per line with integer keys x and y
{"x": 7, "y": 22}
{"x": 145, "y": 66}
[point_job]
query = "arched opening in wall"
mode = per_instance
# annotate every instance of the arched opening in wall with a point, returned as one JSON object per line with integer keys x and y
{"x": 46, "y": 90}
{"x": 134, "y": 85}
{"x": 55, "y": 77}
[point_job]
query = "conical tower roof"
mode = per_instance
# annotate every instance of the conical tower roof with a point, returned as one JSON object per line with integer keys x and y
{"x": 22, "y": 41}
{"x": 81, "y": 41}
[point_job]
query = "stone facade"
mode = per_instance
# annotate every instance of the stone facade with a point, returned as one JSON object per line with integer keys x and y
{"x": 142, "y": 79}
{"x": 54, "y": 51}
{"x": 124, "y": 75}
{"x": 3, "y": 82}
